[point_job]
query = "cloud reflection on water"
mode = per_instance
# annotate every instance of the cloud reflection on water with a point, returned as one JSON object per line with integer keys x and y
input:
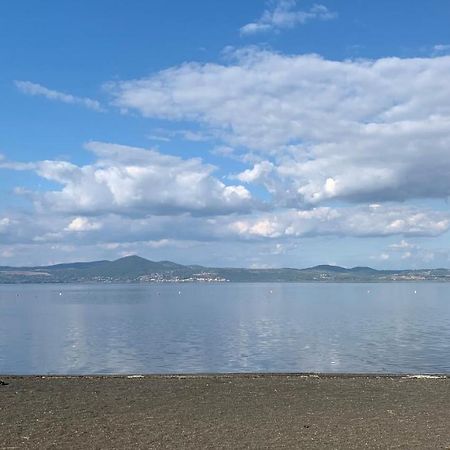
{"x": 225, "y": 328}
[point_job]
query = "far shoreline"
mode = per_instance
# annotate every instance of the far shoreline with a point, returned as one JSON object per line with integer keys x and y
{"x": 218, "y": 283}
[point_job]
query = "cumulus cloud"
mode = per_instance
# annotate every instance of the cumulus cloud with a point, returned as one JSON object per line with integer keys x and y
{"x": 363, "y": 130}
{"x": 285, "y": 227}
{"x": 402, "y": 245}
{"x": 83, "y": 224}
{"x": 284, "y": 14}
{"x": 29, "y": 88}
{"x": 135, "y": 181}
{"x": 415, "y": 253}
{"x": 361, "y": 221}
{"x": 262, "y": 238}
{"x": 259, "y": 171}
{"x": 335, "y": 144}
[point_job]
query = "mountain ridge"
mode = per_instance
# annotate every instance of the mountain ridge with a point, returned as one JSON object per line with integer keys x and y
{"x": 135, "y": 269}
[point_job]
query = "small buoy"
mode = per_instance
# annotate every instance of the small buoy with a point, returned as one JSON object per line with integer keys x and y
{"x": 415, "y": 292}
{"x": 60, "y": 293}
{"x": 179, "y": 292}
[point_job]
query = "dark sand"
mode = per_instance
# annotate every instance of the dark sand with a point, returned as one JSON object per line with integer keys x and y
{"x": 237, "y": 411}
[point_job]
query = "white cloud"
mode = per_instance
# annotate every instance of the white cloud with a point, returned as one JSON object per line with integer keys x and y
{"x": 193, "y": 136}
{"x": 441, "y": 48}
{"x": 345, "y": 221}
{"x": 29, "y": 88}
{"x": 283, "y": 14}
{"x": 284, "y": 227}
{"x": 415, "y": 253}
{"x": 364, "y": 131}
{"x": 402, "y": 245}
{"x": 83, "y": 224}
{"x": 135, "y": 181}
{"x": 166, "y": 135}
{"x": 5, "y": 223}
{"x": 259, "y": 170}
{"x": 224, "y": 151}
{"x": 277, "y": 238}
{"x": 335, "y": 143}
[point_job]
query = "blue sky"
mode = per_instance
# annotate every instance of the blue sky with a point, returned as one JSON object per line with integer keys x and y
{"x": 257, "y": 133}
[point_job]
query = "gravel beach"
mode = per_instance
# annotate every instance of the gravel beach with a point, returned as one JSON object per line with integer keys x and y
{"x": 225, "y": 411}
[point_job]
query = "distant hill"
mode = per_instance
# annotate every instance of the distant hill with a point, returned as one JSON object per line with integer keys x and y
{"x": 134, "y": 269}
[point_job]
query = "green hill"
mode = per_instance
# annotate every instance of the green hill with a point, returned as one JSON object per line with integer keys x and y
{"x": 140, "y": 270}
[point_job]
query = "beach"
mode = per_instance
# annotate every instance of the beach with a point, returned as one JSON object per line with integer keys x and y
{"x": 225, "y": 411}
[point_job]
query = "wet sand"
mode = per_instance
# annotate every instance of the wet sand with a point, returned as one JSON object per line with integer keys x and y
{"x": 235, "y": 411}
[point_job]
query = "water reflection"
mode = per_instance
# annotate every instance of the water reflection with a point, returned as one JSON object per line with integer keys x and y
{"x": 225, "y": 328}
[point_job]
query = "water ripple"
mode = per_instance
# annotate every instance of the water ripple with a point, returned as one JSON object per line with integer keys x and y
{"x": 225, "y": 328}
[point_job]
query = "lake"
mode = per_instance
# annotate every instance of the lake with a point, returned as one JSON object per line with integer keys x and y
{"x": 198, "y": 328}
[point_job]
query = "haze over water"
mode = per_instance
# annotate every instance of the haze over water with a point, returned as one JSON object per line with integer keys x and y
{"x": 198, "y": 328}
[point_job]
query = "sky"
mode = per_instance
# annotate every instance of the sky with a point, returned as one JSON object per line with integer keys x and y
{"x": 275, "y": 133}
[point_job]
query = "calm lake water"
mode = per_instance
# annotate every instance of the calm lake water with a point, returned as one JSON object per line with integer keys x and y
{"x": 188, "y": 328}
